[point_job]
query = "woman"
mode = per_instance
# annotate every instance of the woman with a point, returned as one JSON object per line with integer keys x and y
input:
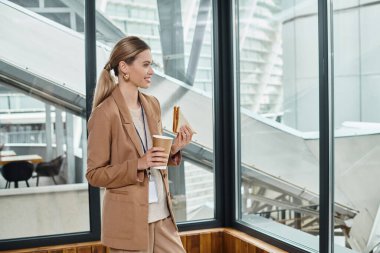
{"x": 120, "y": 155}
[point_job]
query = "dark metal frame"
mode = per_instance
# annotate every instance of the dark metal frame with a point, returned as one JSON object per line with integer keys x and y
{"x": 326, "y": 127}
{"x": 224, "y": 112}
{"x": 90, "y": 54}
{"x": 227, "y": 167}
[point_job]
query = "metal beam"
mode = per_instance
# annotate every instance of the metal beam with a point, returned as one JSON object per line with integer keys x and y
{"x": 225, "y": 111}
{"x": 287, "y": 205}
{"x": 171, "y": 36}
{"x": 42, "y": 89}
{"x": 326, "y": 127}
{"x": 291, "y": 206}
{"x": 196, "y": 47}
{"x": 109, "y": 32}
{"x": 90, "y": 54}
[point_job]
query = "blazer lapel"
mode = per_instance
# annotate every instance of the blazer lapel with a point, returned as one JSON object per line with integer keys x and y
{"x": 127, "y": 120}
{"x": 153, "y": 122}
{"x": 151, "y": 114}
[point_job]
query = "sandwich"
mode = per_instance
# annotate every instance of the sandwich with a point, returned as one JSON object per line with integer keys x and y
{"x": 175, "y": 119}
{"x": 179, "y": 120}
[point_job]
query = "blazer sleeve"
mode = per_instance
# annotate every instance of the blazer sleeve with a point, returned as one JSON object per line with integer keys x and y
{"x": 174, "y": 160}
{"x": 99, "y": 171}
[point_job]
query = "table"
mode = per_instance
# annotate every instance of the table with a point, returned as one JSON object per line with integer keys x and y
{"x": 7, "y": 153}
{"x": 30, "y": 158}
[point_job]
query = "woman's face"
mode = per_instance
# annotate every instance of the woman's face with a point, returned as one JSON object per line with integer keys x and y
{"x": 140, "y": 71}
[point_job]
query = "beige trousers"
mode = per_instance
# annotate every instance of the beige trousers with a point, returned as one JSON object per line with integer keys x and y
{"x": 163, "y": 238}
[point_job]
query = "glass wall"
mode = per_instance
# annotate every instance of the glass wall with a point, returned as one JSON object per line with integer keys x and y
{"x": 278, "y": 126}
{"x": 357, "y": 122}
{"x": 42, "y": 108}
{"x": 42, "y": 122}
{"x": 182, "y": 60}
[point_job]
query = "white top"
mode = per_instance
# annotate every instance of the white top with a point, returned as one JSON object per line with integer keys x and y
{"x": 157, "y": 211}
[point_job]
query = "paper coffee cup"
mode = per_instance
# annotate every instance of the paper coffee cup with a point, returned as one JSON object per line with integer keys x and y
{"x": 163, "y": 142}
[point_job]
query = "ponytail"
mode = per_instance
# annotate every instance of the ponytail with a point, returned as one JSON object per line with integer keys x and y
{"x": 104, "y": 87}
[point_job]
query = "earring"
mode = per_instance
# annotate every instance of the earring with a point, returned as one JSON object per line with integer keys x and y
{"x": 126, "y": 77}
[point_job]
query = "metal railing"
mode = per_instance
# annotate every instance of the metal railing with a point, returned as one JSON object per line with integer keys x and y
{"x": 32, "y": 136}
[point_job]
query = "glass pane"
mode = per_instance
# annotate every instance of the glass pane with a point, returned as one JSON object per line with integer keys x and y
{"x": 42, "y": 125}
{"x": 279, "y": 126}
{"x": 357, "y": 123}
{"x": 182, "y": 56}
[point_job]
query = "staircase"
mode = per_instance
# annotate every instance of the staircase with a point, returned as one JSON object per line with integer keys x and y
{"x": 199, "y": 192}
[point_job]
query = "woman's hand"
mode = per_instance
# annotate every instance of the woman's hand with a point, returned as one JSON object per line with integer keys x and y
{"x": 183, "y": 138}
{"x": 152, "y": 158}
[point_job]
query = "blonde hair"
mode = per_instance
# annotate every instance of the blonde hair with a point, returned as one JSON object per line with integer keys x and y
{"x": 125, "y": 50}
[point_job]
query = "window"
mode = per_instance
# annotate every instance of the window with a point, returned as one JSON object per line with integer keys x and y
{"x": 277, "y": 139}
{"x": 180, "y": 79}
{"x": 357, "y": 122}
{"x": 278, "y": 178}
{"x": 42, "y": 119}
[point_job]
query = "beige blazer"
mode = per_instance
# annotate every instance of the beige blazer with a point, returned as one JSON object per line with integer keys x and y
{"x": 113, "y": 150}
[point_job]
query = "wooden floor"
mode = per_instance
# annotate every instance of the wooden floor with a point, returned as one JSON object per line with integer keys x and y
{"x": 218, "y": 240}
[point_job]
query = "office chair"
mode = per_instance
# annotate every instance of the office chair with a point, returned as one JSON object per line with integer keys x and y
{"x": 49, "y": 169}
{"x": 17, "y": 171}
